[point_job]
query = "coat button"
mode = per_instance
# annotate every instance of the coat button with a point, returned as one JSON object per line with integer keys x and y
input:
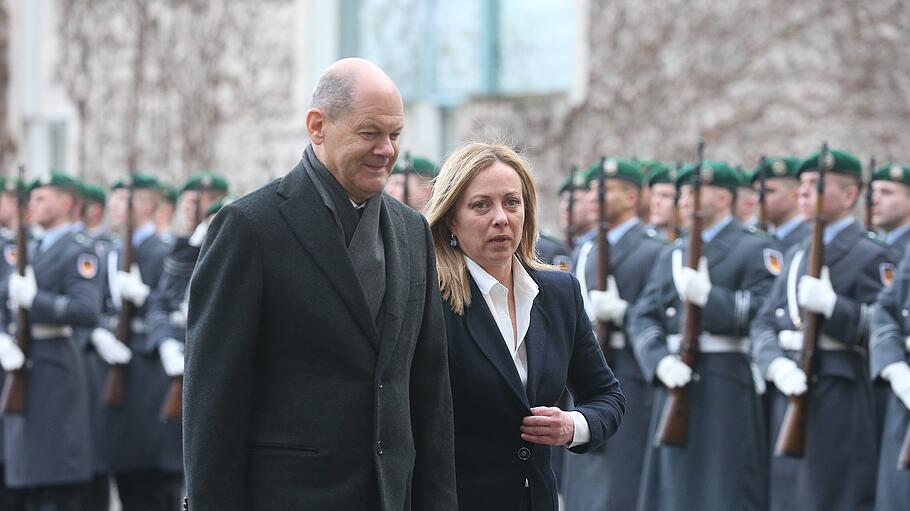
{"x": 379, "y": 448}
{"x": 524, "y": 453}
{"x": 380, "y": 384}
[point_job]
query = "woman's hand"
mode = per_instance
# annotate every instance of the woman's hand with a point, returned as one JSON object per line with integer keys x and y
{"x": 548, "y": 426}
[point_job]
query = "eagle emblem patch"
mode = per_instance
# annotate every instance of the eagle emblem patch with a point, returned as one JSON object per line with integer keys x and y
{"x": 774, "y": 261}
{"x": 9, "y": 254}
{"x": 87, "y": 266}
{"x": 886, "y": 272}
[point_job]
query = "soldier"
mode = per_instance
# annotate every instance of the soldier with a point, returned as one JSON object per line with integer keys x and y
{"x": 164, "y": 215}
{"x": 889, "y": 355}
{"x": 726, "y": 442}
{"x": 136, "y": 443}
{"x": 837, "y": 470}
{"x": 608, "y": 479}
{"x": 93, "y": 213}
{"x": 746, "y": 200}
{"x": 584, "y": 219}
{"x": 785, "y": 223}
{"x": 662, "y": 183}
{"x": 891, "y": 207}
{"x": 48, "y": 446}
{"x": 420, "y": 181}
{"x": 8, "y": 217}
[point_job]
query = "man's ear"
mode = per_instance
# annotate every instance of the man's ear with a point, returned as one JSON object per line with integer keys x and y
{"x": 315, "y": 125}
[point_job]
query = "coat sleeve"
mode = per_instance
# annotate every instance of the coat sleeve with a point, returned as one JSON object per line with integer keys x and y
{"x": 886, "y": 344}
{"x": 730, "y": 311}
{"x": 80, "y": 305}
{"x": 225, "y": 298}
{"x": 432, "y": 421}
{"x": 646, "y": 326}
{"x": 594, "y": 387}
{"x": 850, "y": 321}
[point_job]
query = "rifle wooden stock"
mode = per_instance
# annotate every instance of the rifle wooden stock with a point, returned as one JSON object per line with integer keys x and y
{"x": 114, "y": 390}
{"x": 903, "y": 461}
{"x": 604, "y": 328}
{"x": 570, "y": 216}
{"x": 172, "y": 409}
{"x": 673, "y": 428}
{"x": 791, "y": 441}
{"x": 15, "y": 387}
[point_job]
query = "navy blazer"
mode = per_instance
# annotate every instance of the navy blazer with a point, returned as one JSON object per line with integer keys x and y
{"x": 491, "y": 460}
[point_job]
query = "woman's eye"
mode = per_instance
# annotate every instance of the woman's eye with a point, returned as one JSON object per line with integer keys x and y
{"x": 513, "y": 202}
{"x": 479, "y": 205}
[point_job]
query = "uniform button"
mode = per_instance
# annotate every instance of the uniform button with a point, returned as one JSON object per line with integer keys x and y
{"x": 779, "y": 312}
{"x": 379, "y": 448}
{"x": 524, "y": 453}
{"x": 671, "y": 312}
{"x": 905, "y": 313}
{"x": 380, "y": 384}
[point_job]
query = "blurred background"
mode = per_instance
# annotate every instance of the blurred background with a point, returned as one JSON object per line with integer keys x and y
{"x": 96, "y": 87}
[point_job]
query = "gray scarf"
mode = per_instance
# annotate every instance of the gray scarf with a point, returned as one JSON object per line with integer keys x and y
{"x": 361, "y": 233}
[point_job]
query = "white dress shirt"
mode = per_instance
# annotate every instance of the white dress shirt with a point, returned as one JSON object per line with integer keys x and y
{"x": 496, "y": 296}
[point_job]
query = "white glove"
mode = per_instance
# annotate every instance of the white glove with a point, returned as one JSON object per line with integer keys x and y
{"x": 817, "y": 295}
{"x": 131, "y": 286}
{"x": 198, "y": 235}
{"x": 789, "y": 379}
{"x": 693, "y": 286}
{"x": 898, "y": 374}
{"x": 178, "y": 318}
{"x": 171, "y": 352}
{"x": 110, "y": 348}
{"x": 607, "y": 305}
{"x": 907, "y": 343}
{"x": 673, "y": 372}
{"x": 11, "y": 357}
{"x": 791, "y": 340}
{"x": 22, "y": 289}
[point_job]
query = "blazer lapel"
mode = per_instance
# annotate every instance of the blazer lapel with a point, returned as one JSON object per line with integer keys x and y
{"x": 536, "y": 345}
{"x": 398, "y": 271}
{"x": 483, "y": 330}
{"x": 315, "y": 229}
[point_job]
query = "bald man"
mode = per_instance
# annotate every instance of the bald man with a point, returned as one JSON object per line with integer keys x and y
{"x": 316, "y": 366}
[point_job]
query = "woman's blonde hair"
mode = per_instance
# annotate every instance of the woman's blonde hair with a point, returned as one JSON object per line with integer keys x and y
{"x": 457, "y": 172}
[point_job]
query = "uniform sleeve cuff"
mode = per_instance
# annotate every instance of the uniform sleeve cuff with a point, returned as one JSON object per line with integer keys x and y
{"x": 582, "y": 431}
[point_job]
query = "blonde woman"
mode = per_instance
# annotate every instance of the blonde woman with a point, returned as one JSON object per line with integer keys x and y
{"x": 517, "y": 334}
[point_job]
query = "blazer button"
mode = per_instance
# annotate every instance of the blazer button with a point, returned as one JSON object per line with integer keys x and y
{"x": 379, "y": 448}
{"x": 524, "y": 453}
{"x": 380, "y": 384}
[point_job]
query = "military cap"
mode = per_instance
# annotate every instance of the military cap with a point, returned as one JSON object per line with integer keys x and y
{"x": 139, "y": 180}
{"x": 666, "y": 174}
{"x": 615, "y": 168}
{"x": 217, "y": 205}
{"x": 839, "y": 161}
{"x": 577, "y": 181}
{"x": 57, "y": 179}
{"x": 713, "y": 173}
{"x": 649, "y": 167}
{"x": 893, "y": 172}
{"x": 777, "y": 166}
{"x": 205, "y": 181}
{"x": 9, "y": 185}
{"x": 419, "y": 165}
{"x": 169, "y": 192}
{"x": 93, "y": 193}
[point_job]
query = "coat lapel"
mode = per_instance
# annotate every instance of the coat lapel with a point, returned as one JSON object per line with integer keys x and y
{"x": 623, "y": 247}
{"x": 720, "y": 246}
{"x": 398, "y": 271}
{"x": 841, "y": 244}
{"x": 482, "y": 329}
{"x": 315, "y": 229}
{"x": 536, "y": 345}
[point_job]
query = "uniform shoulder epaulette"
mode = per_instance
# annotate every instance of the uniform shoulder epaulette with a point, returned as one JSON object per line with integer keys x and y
{"x": 83, "y": 240}
{"x": 678, "y": 241}
{"x": 875, "y": 238}
{"x": 650, "y": 233}
{"x": 755, "y": 231}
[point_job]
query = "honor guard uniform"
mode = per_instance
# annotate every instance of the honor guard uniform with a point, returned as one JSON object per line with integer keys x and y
{"x": 48, "y": 446}
{"x": 889, "y": 355}
{"x": 608, "y": 478}
{"x": 785, "y": 223}
{"x": 837, "y": 470}
{"x": 726, "y": 441}
{"x": 138, "y": 446}
{"x": 663, "y": 213}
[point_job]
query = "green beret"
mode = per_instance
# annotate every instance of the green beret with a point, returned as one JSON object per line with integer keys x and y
{"x": 57, "y": 179}
{"x": 667, "y": 175}
{"x": 840, "y": 162}
{"x": 777, "y": 166}
{"x": 649, "y": 167}
{"x": 217, "y": 205}
{"x": 419, "y": 165}
{"x": 93, "y": 193}
{"x": 713, "y": 173}
{"x": 139, "y": 180}
{"x": 577, "y": 181}
{"x": 893, "y": 172}
{"x": 205, "y": 181}
{"x": 615, "y": 168}
{"x": 169, "y": 192}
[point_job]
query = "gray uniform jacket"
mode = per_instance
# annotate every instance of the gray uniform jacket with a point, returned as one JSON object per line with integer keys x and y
{"x": 800, "y": 233}
{"x": 294, "y": 397}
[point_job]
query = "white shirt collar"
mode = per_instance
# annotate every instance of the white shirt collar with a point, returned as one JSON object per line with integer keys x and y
{"x": 521, "y": 280}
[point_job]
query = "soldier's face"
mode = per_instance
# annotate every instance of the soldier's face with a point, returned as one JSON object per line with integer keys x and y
{"x": 715, "y": 204}
{"x": 890, "y": 204}
{"x": 620, "y": 199}
{"x": 8, "y": 207}
{"x": 841, "y": 193}
{"x": 361, "y": 146}
{"x": 746, "y": 200}
{"x": 419, "y": 190}
{"x": 663, "y": 195}
{"x": 49, "y": 206}
{"x": 780, "y": 198}
{"x": 488, "y": 219}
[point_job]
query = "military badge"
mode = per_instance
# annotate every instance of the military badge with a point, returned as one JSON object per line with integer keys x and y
{"x": 779, "y": 168}
{"x": 87, "y": 266}
{"x": 9, "y": 253}
{"x": 774, "y": 261}
{"x": 206, "y": 181}
{"x": 10, "y": 186}
{"x": 707, "y": 174}
{"x": 896, "y": 173}
{"x": 886, "y": 273}
{"x": 829, "y": 161}
{"x": 46, "y": 179}
{"x": 611, "y": 168}
{"x": 578, "y": 181}
{"x": 674, "y": 174}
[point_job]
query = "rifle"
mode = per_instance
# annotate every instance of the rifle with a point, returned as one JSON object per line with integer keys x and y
{"x": 791, "y": 440}
{"x": 673, "y": 428}
{"x": 406, "y": 170}
{"x": 675, "y": 230}
{"x": 762, "y": 194}
{"x": 15, "y": 387}
{"x": 604, "y": 329}
{"x": 172, "y": 407}
{"x": 570, "y": 218}
{"x": 868, "y": 212}
{"x": 115, "y": 385}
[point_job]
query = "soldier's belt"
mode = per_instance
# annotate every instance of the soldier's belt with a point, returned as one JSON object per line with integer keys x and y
{"x": 617, "y": 340}
{"x": 42, "y": 331}
{"x": 792, "y": 340}
{"x": 710, "y": 343}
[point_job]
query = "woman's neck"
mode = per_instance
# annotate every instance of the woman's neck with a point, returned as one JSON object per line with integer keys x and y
{"x": 502, "y": 273}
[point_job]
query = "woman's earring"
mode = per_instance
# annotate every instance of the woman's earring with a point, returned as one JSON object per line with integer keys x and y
{"x": 453, "y": 242}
